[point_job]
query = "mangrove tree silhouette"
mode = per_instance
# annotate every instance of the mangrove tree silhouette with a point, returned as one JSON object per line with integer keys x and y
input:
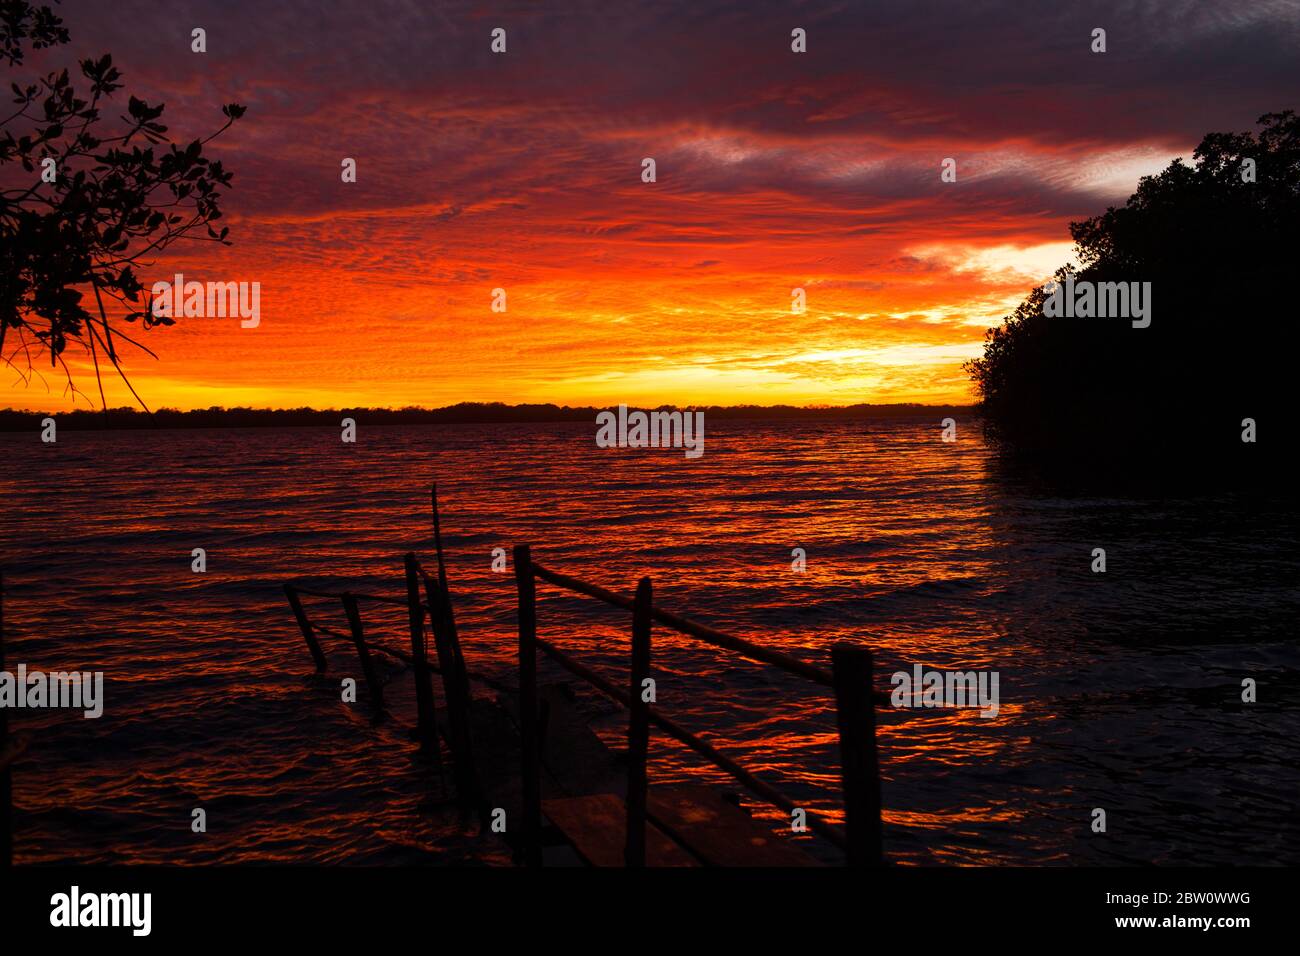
{"x": 1217, "y": 240}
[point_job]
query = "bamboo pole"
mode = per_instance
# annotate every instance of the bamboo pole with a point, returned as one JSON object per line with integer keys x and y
{"x": 530, "y": 764}
{"x": 304, "y": 625}
{"x": 638, "y": 730}
{"x": 437, "y": 538}
{"x": 456, "y": 690}
{"x": 426, "y": 723}
{"x": 855, "y": 712}
{"x": 363, "y": 652}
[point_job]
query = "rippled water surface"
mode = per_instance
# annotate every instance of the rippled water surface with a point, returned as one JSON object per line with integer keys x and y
{"x": 1119, "y": 690}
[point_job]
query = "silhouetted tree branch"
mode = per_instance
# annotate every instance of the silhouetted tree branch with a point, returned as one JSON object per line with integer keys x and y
{"x": 99, "y": 201}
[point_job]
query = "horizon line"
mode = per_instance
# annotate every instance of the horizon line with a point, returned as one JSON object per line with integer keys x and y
{"x": 12, "y": 419}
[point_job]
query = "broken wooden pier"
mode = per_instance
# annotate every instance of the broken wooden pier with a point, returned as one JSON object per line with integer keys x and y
{"x": 528, "y": 752}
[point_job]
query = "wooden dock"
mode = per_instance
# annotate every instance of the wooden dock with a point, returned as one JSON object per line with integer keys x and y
{"x": 530, "y": 753}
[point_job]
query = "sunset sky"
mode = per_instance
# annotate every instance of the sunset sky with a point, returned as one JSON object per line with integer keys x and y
{"x": 775, "y": 170}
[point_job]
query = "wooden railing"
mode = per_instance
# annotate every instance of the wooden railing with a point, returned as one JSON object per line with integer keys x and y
{"x": 451, "y": 662}
{"x": 849, "y": 678}
{"x": 356, "y": 634}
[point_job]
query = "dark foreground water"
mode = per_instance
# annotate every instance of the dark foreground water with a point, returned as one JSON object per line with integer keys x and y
{"x": 1119, "y": 690}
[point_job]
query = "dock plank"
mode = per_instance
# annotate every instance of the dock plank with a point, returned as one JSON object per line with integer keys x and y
{"x": 718, "y": 832}
{"x": 583, "y": 783}
{"x": 572, "y": 752}
{"x": 596, "y": 825}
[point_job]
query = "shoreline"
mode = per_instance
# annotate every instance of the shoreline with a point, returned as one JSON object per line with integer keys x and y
{"x": 464, "y": 413}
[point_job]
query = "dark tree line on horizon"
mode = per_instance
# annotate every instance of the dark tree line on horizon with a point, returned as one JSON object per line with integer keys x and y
{"x": 1220, "y": 252}
{"x": 13, "y": 420}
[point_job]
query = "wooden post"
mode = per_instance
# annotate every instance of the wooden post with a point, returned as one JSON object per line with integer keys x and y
{"x": 437, "y": 539}
{"x": 363, "y": 652}
{"x": 304, "y": 625}
{"x": 6, "y": 779}
{"x": 530, "y": 764}
{"x": 852, "y": 671}
{"x": 426, "y": 723}
{"x": 456, "y": 691}
{"x": 638, "y": 728}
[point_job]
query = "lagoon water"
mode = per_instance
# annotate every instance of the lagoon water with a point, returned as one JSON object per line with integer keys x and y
{"x": 1119, "y": 691}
